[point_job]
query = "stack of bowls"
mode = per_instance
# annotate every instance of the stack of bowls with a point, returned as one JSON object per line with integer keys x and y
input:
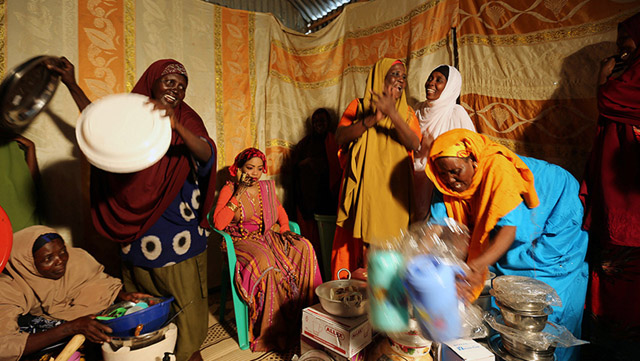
{"x": 525, "y": 314}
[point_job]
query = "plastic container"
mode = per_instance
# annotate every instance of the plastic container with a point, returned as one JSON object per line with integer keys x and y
{"x": 389, "y": 309}
{"x": 432, "y": 289}
{"x": 151, "y": 319}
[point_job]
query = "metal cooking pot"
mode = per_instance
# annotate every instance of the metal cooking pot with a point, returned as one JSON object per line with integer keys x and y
{"x": 26, "y": 91}
{"x": 348, "y": 306}
{"x": 525, "y": 352}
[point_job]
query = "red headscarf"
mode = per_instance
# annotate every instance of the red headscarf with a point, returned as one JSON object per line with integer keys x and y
{"x": 125, "y": 206}
{"x": 610, "y": 190}
{"x": 244, "y": 156}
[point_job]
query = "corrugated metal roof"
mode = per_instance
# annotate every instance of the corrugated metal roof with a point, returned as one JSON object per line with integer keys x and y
{"x": 300, "y": 15}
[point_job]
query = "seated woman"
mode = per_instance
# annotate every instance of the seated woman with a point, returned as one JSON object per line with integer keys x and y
{"x": 277, "y": 271}
{"x": 524, "y": 215}
{"x": 62, "y": 287}
{"x": 438, "y": 114}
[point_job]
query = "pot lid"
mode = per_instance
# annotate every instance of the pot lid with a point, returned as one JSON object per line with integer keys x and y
{"x": 121, "y": 133}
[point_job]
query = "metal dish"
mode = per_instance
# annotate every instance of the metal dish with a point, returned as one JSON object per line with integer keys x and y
{"x": 519, "y": 349}
{"x": 26, "y": 91}
{"x": 522, "y": 320}
{"x": 347, "y": 307}
{"x": 496, "y": 346}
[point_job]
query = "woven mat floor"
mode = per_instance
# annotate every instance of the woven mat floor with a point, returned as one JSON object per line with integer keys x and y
{"x": 222, "y": 340}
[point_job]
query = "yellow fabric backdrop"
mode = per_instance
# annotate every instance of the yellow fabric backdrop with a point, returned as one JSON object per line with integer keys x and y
{"x": 528, "y": 71}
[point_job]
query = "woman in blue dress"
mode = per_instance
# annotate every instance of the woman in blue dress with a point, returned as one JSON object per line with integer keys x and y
{"x": 524, "y": 215}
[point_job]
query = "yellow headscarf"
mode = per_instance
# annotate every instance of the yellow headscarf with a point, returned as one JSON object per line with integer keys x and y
{"x": 377, "y": 185}
{"x": 500, "y": 183}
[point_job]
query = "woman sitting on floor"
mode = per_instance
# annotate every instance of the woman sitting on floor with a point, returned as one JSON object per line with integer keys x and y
{"x": 277, "y": 271}
{"x": 59, "y": 287}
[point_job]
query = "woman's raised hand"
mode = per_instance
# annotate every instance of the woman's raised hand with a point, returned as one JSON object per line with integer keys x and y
{"x": 63, "y": 67}
{"x": 93, "y": 330}
{"x": 165, "y": 110}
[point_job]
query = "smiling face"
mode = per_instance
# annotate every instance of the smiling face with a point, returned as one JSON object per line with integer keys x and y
{"x": 396, "y": 78}
{"x": 170, "y": 89}
{"x": 435, "y": 85}
{"x": 51, "y": 259}
{"x": 253, "y": 167}
{"x": 456, "y": 173}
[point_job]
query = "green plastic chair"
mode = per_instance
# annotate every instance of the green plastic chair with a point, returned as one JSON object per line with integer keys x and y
{"x": 239, "y": 307}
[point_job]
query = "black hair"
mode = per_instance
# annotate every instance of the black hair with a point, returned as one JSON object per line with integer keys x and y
{"x": 442, "y": 69}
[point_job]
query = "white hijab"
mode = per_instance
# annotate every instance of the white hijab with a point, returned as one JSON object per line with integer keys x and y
{"x": 443, "y": 114}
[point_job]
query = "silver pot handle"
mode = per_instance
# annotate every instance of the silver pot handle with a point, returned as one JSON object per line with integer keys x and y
{"x": 340, "y": 271}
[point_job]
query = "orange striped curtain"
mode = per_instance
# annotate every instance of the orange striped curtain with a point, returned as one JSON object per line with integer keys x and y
{"x": 529, "y": 72}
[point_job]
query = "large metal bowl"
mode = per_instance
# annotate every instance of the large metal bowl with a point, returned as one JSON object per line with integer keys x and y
{"x": 344, "y": 307}
{"x": 520, "y": 350}
{"x": 26, "y": 91}
{"x": 533, "y": 321}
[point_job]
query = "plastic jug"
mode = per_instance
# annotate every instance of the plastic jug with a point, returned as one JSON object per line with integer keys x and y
{"x": 388, "y": 303}
{"x": 431, "y": 285}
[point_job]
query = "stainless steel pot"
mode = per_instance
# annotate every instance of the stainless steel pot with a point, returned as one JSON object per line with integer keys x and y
{"x": 26, "y": 91}
{"x": 353, "y": 306}
{"x": 520, "y": 350}
{"x": 534, "y": 321}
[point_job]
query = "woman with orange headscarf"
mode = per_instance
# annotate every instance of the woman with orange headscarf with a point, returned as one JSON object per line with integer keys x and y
{"x": 377, "y": 135}
{"x": 524, "y": 215}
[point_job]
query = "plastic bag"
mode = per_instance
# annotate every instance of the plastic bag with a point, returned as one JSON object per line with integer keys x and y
{"x": 551, "y": 336}
{"x": 523, "y": 293}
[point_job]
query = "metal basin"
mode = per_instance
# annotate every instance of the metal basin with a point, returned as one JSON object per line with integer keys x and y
{"x": 520, "y": 350}
{"x": 522, "y": 320}
{"x": 353, "y": 304}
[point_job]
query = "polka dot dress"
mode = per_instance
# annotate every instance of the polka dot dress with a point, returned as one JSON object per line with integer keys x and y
{"x": 177, "y": 235}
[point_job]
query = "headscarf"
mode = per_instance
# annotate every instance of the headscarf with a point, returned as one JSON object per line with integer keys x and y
{"x": 443, "y": 114}
{"x": 610, "y": 190}
{"x": 83, "y": 290}
{"x": 376, "y": 191}
{"x": 500, "y": 183}
{"x": 125, "y": 206}
{"x": 244, "y": 156}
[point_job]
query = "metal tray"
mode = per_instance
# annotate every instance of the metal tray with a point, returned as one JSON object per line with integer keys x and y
{"x": 26, "y": 91}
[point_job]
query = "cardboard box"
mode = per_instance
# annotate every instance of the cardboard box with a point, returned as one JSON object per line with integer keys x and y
{"x": 307, "y": 345}
{"x": 342, "y": 335}
{"x": 465, "y": 350}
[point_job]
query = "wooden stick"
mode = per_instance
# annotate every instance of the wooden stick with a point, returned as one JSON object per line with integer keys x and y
{"x": 71, "y": 347}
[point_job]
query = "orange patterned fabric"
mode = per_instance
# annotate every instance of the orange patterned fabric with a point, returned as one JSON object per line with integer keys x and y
{"x": 529, "y": 71}
{"x": 101, "y": 66}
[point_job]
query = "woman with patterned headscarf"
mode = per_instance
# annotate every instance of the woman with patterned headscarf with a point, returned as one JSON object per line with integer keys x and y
{"x": 159, "y": 214}
{"x": 611, "y": 195}
{"x": 377, "y": 135}
{"x": 524, "y": 216}
{"x": 277, "y": 270}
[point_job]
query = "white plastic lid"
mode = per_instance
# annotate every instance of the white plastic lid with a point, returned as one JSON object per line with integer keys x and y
{"x": 121, "y": 133}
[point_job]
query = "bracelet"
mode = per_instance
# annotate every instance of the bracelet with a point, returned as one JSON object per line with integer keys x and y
{"x": 232, "y": 207}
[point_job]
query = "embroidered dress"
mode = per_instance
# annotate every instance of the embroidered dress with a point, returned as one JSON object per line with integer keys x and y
{"x": 276, "y": 278}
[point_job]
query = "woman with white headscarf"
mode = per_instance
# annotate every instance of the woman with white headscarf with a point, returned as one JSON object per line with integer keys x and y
{"x": 438, "y": 114}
